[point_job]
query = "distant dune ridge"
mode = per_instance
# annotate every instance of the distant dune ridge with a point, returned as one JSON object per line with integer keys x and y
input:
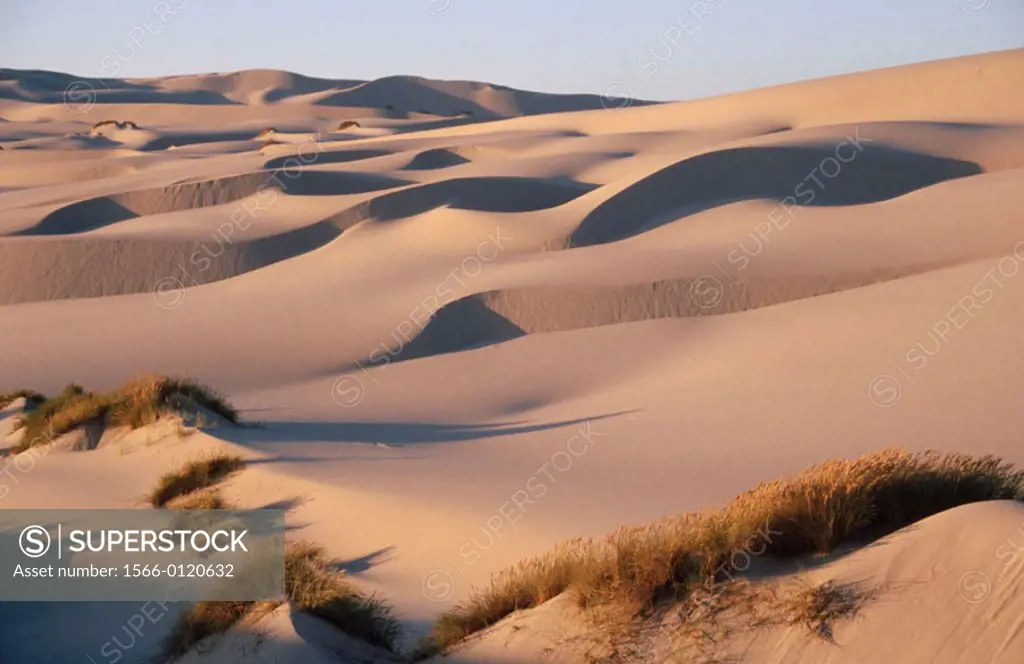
{"x": 470, "y": 322}
{"x": 401, "y": 94}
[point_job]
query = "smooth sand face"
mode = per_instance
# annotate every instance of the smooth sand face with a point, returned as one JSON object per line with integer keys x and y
{"x": 644, "y": 311}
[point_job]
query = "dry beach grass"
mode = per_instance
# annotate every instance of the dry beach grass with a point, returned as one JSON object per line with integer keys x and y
{"x": 814, "y": 512}
{"x": 314, "y": 585}
{"x": 194, "y": 477}
{"x": 137, "y": 403}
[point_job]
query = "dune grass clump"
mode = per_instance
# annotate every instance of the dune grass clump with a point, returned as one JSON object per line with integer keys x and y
{"x": 313, "y": 582}
{"x": 816, "y": 511}
{"x": 198, "y": 500}
{"x": 193, "y": 477}
{"x": 821, "y": 606}
{"x": 145, "y": 400}
{"x": 72, "y": 407}
{"x": 31, "y": 396}
{"x": 201, "y": 621}
{"x": 314, "y": 585}
{"x": 139, "y": 402}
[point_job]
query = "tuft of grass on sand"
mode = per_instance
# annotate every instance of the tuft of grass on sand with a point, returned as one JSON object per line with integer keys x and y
{"x": 821, "y": 606}
{"x": 139, "y": 402}
{"x": 199, "y": 500}
{"x": 816, "y": 511}
{"x": 314, "y": 584}
{"x": 58, "y": 415}
{"x": 31, "y": 396}
{"x": 201, "y": 621}
{"x": 194, "y": 477}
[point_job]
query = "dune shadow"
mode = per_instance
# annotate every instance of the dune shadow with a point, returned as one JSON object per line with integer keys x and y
{"x": 183, "y": 139}
{"x": 876, "y": 173}
{"x": 287, "y": 504}
{"x": 333, "y": 183}
{"x": 94, "y": 213}
{"x": 366, "y": 562}
{"x": 436, "y": 159}
{"x": 326, "y": 157}
{"x": 391, "y": 433}
{"x": 482, "y": 194}
{"x": 80, "y": 217}
{"x": 965, "y": 127}
{"x": 461, "y": 325}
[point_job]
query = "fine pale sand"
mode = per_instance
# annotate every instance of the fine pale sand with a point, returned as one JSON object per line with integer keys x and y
{"x": 481, "y": 321}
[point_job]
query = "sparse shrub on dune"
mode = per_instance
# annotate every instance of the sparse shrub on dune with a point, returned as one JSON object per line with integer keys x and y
{"x": 348, "y": 124}
{"x": 137, "y": 403}
{"x": 814, "y": 512}
{"x": 314, "y": 585}
{"x": 193, "y": 477}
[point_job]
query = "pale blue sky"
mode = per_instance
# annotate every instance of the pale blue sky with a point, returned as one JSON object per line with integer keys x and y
{"x": 661, "y": 49}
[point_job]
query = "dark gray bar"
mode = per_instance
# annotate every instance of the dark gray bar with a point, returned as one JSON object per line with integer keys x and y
{"x": 119, "y": 555}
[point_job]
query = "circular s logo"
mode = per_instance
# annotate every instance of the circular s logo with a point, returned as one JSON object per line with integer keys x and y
{"x": 884, "y": 391}
{"x": 348, "y": 391}
{"x": 34, "y": 541}
{"x": 438, "y": 585}
{"x": 974, "y": 587}
{"x": 706, "y": 292}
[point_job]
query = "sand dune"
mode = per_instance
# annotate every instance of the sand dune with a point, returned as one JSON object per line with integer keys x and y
{"x": 940, "y": 614}
{"x": 61, "y": 268}
{"x": 288, "y": 635}
{"x": 403, "y": 94}
{"x": 725, "y": 177}
{"x": 430, "y": 160}
{"x": 423, "y": 311}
